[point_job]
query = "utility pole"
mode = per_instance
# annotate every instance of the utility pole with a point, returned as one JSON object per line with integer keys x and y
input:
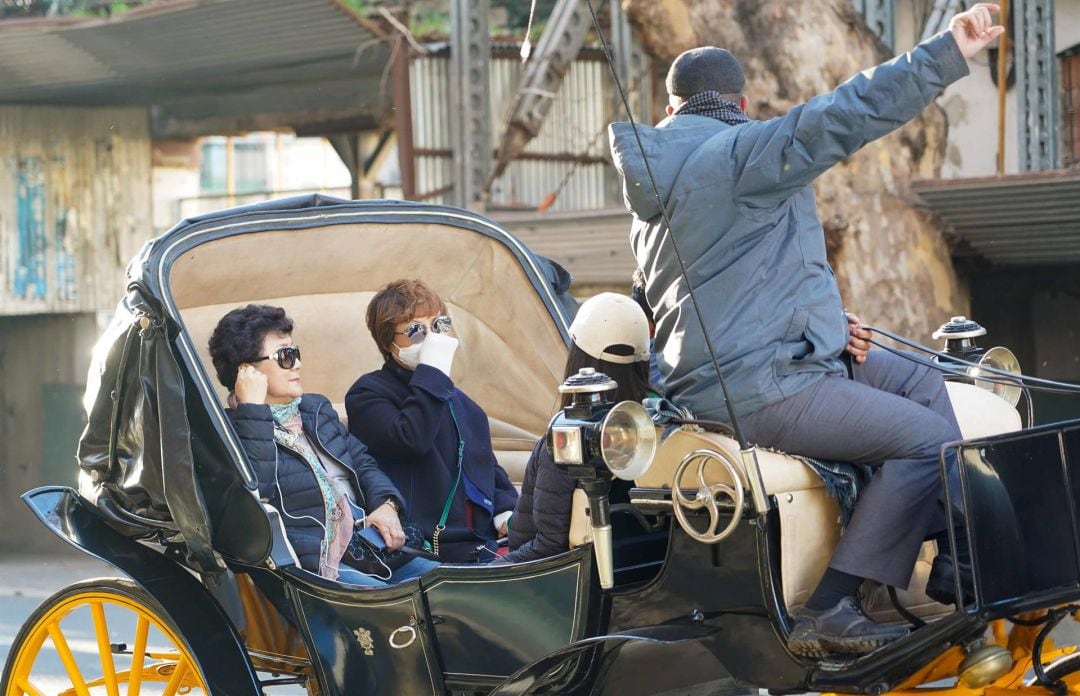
{"x": 470, "y": 109}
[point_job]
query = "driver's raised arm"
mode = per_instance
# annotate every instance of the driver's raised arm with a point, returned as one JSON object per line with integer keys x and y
{"x": 776, "y": 158}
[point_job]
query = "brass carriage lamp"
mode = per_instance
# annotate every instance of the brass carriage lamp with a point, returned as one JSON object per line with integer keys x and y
{"x": 594, "y": 439}
{"x": 959, "y": 334}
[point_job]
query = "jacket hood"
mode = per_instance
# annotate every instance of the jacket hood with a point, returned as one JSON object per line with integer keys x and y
{"x": 667, "y": 145}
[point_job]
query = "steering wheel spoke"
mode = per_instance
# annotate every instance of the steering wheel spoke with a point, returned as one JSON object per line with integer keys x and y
{"x": 707, "y": 494}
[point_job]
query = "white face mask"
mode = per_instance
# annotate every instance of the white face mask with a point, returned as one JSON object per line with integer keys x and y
{"x": 409, "y": 356}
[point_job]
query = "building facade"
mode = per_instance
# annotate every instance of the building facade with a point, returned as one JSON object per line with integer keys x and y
{"x": 75, "y": 206}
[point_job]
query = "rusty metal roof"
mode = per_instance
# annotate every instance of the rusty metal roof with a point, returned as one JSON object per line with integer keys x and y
{"x": 1030, "y": 219}
{"x": 185, "y": 48}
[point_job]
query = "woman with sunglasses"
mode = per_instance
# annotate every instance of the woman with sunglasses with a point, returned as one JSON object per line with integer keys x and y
{"x": 321, "y": 479}
{"x": 432, "y": 439}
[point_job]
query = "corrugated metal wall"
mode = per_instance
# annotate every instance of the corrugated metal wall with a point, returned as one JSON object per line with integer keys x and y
{"x": 75, "y": 205}
{"x": 575, "y": 127}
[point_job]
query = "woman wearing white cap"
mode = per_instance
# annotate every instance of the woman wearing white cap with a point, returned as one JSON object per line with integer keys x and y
{"x": 611, "y": 334}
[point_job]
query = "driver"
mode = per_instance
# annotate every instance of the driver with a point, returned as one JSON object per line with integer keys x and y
{"x": 740, "y": 204}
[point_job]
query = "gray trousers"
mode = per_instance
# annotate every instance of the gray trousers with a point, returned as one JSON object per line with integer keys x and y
{"x": 894, "y": 415}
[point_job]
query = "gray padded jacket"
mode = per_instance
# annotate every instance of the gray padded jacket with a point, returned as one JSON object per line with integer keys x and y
{"x": 743, "y": 213}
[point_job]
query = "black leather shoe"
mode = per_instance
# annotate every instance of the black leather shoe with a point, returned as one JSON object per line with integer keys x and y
{"x": 941, "y": 585}
{"x": 842, "y": 629}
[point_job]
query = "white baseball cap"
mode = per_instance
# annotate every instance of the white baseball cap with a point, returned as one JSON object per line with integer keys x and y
{"x": 607, "y": 320}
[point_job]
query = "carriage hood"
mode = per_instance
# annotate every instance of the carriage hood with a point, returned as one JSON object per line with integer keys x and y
{"x": 158, "y": 453}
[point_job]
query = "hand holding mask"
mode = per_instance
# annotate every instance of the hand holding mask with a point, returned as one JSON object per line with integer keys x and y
{"x": 438, "y": 350}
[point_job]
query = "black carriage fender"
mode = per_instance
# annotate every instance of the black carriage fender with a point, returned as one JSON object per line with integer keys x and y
{"x": 202, "y": 622}
{"x": 623, "y": 663}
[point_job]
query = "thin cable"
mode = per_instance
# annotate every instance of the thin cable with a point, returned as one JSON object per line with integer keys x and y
{"x": 958, "y": 369}
{"x": 1037, "y": 383}
{"x": 667, "y": 222}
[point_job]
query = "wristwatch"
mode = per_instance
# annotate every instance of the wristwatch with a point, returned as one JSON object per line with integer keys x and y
{"x": 393, "y": 504}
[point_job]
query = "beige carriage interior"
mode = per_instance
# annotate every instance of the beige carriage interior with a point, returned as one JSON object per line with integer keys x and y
{"x": 511, "y": 356}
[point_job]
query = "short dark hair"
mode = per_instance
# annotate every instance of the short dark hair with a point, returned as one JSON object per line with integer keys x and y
{"x": 632, "y": 378}
{"x": 399, "y": 301}
{"x": 239, "y": 335}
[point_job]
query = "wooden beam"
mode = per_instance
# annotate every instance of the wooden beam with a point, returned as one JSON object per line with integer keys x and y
{"x": 403, "y": 129}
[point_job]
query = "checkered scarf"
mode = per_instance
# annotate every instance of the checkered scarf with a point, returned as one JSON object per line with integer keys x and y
{"x": 711, "y": 104}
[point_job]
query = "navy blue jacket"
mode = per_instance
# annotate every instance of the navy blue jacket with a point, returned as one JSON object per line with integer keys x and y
{"x": 285, "y": 474}
{"x": 404, "y": 417}
{"x": 540, "y": 526}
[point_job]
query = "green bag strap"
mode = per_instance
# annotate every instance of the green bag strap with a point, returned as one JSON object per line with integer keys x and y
{"x": 453, "y": 491}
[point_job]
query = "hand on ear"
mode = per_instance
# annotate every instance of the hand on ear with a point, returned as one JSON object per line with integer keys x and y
{"x": 250, "y": 385}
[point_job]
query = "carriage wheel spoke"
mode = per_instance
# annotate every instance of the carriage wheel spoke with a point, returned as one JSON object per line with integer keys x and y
{"x": 177, "y": 678}
{"x": 108, "y": 667}
{"x": 28, "y": 688}
{"x": 68, "y": 659}
{"x": 22, "y": 673}
{"x": 138, "y": 656}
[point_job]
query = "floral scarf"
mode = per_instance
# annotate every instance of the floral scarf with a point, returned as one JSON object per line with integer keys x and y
{"x": 289, "y": 433}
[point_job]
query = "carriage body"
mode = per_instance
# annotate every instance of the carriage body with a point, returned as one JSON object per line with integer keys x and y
{"x": 166, "y": 496}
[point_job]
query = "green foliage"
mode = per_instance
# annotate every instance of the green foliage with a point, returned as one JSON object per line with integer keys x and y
{"x": 430, "y": 19}
{"x": 11, "y": 9}
{"x": 517, "y": 12}
{"x": 429, "y": 23}
{"x": 361, "y": 7}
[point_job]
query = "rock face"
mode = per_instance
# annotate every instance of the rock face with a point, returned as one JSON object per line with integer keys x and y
{"x": 890, "y": 258}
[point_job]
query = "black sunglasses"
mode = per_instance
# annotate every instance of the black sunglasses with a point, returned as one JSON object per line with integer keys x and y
{"x": 286, "y": 357}
{"x": 417, "y": 331}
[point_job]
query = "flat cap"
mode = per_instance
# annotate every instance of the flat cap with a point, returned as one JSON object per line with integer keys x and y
{"x": 705, "y": 69}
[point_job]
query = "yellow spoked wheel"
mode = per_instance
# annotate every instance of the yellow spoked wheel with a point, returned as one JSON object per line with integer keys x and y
{"x": 104, "y": 637}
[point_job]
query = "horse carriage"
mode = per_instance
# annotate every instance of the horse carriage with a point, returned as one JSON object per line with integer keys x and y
{"x": 685, "y": 584}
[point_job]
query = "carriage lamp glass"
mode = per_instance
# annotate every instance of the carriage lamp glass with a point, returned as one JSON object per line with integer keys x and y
{"x": 959, "y": 334}
{"x": 627, "y": 440}
{"x": 566, "y": 445}
{"x": 999, "y": 358}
